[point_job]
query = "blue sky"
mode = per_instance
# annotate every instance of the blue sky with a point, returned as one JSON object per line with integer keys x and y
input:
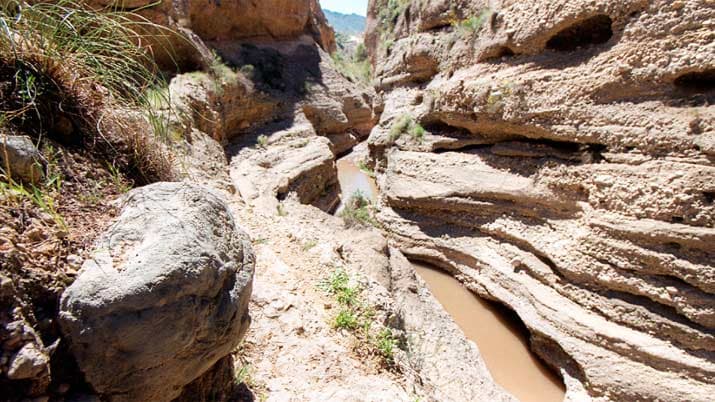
{"x": 345, "y": 6}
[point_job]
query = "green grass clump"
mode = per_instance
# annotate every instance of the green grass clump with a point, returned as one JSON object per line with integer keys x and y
{"x": 405, "y": 124}
{"x": 309, "y": 245}
{"x": 354, "y": 69}
{"x": 357, "y": 317}
{"x": 386, "y": 343}
{"x": 417, "y": 132}
{"x": 473, "y": 24}
{"x": 43, "y": 194}
{"x": 366, "y": 169}
{"x": 346, "y": 319}
{"x": 357, "y": 211}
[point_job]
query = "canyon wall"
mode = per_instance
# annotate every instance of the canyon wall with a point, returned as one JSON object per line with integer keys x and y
{"x": 240, "y": 71}
{"x": 559, "y": 157}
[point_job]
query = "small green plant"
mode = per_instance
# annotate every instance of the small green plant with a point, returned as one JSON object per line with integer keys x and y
{"x": 417, "y": 132}
{"x": 405, "y": 124}
{"x": 262, "y": 141}
{"x": 40, "y": 196}
{"x": 246, "y": 375}
{"x": 366, "y": 169}
{"x": 386, "y": 343}
{"x": 336, "y": 283}
{"x": 280, "y": 210}
{"x": 387, "y": 46}
{"x": 346, "y": 319}
{"x": 243, "y": 375}
{"x": 399, "y": 127}
{"x": 356, "y": 211}
{"x": 307, "y": 246}
{"x": 358, "y": 317}
{"x": 118, "y": 180}
{"x": 54, "y": 176}
{"x": 472, "y": 24}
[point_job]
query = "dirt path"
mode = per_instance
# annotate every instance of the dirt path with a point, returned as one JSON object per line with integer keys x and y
{"x": 291, "y": 351}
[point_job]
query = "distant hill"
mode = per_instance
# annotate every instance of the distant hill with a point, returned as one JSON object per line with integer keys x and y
{"x": 347, "y": 24}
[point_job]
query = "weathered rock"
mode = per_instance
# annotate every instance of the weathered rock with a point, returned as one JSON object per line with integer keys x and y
{"x": 334, "y": 105}
{"x": 165, "y": 296}
{"x": 24, "y": 361}
{"x": 293, "y": 160}
{"x": 221, "y": 104}
{"x": 21, "y": 157}
{"x": 28, "y": 362}
{"x": 193, "y": 24}
{"x": 566, "y": 172}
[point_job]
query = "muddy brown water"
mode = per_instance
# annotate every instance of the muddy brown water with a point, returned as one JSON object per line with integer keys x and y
{"x": 352, "y": 180}
{"x": 501, "y": 338}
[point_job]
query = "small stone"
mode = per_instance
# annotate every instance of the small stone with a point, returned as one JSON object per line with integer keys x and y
{"x": 74, "y": 260}
{"x": 63, "y": 388}
{"x": 36, "y": 234}
{"x": 29, "y": 362}
{"x": 23, "y": 158}
{"x": 5, "y": 284}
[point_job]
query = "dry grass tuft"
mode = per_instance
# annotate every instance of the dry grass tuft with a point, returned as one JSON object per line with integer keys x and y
{"x": 85, "y": 74}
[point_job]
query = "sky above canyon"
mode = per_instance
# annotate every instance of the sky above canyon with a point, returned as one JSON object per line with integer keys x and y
{"x": 345, "y": 6}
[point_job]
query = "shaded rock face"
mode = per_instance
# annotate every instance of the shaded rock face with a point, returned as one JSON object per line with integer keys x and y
{"x": 567, "y": 171}
{"x": 230, "y": 21}
{"x": 314, "y": 114}
{"x": 24, "y": 361}
{"x": 165, "y": 296}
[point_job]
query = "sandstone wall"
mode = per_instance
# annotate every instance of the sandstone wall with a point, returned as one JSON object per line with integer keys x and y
{"x": 567, "y": 171}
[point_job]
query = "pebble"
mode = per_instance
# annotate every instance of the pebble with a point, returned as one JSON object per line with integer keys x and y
{"x": 74, "y": 260}
{"x": 29, "y": 362}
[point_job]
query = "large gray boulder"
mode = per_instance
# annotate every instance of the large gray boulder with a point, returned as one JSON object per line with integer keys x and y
{"x": 164, "y": 297}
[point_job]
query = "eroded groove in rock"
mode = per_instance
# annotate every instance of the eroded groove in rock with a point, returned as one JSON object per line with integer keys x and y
{"x": 592, "y": 31}
{"x": 698, "y": 81}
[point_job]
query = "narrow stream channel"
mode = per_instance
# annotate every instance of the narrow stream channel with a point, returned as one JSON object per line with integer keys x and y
{"x": 500, "y": 337}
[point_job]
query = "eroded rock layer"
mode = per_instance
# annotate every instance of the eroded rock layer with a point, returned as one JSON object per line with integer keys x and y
{"x": 558, "y": 157}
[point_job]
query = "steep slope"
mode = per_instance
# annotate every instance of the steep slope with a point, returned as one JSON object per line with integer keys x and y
{"x": 558, "y": 157}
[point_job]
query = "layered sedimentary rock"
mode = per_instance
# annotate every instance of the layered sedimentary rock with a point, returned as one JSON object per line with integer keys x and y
{"x": 316, "y": 114}
{"x": 566, "y": 170}
{"x": 164, "y": 297}
{"x": 192, "y": 24}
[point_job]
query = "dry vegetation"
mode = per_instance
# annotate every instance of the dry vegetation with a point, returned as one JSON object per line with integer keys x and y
{"x": 76, "y": 82}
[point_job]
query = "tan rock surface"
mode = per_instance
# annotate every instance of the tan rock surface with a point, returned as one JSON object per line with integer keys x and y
{"x": 566, "y": 172}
